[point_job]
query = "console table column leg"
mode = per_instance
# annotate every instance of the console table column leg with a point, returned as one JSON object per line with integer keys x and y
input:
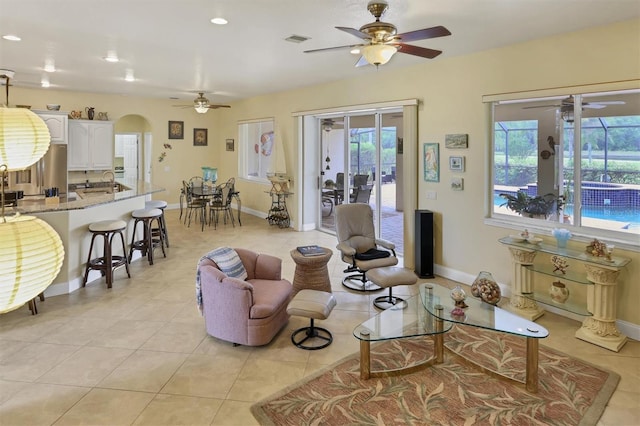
{"x": 600, "y": 328}
{"x": 365, "y": 357}
{"x": 522, "y": 284}
{"x": 531, "y": 381}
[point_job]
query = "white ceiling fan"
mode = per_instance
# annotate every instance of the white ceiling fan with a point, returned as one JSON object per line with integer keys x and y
{"x": 202, "y": 105}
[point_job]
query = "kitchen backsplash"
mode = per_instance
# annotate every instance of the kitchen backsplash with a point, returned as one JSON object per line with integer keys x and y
{"x": 93, "y": 176}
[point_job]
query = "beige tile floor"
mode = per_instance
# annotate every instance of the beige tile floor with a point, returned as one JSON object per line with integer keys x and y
{"x": 138, "y": 354}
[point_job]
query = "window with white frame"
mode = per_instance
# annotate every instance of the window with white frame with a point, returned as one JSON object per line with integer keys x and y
{"x": 256, "y": 148}
{"x": 570, "y": 161}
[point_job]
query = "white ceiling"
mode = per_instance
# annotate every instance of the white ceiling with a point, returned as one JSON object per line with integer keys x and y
{"x": 174, "y": 50}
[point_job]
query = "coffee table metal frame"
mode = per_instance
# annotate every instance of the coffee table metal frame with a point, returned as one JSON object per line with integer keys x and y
{"x": 429, "y": 314}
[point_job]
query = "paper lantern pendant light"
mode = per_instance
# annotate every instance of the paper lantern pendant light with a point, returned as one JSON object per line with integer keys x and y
{"x": 31, "y": 256}
{"x": 24, "y": 138}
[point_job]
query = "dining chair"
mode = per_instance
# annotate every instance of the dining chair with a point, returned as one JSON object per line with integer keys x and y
{"x": 221, "y": 202}
{"x": 193, "y": 204}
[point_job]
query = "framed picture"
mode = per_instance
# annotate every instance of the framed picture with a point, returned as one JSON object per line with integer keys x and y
{"x": 456, "y": 163}
{"x": 199, "y": 137}
{"x": 229, "y": 144}
{"x": 431, "y": 157}
{"x": 457, "y": 183}
{"x": 176, "y": 129}
{"x": 458, "y": 141}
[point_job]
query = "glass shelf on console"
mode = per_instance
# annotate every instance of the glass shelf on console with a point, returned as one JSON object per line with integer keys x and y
{"x": 576, "y": 277}
{"x": 615, "y": 262}
{"x": 574, "y": 307}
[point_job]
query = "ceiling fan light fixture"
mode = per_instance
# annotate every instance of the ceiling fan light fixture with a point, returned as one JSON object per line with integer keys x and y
{"x": 201, "y": 104}
{"x": 378, "y": 54}
{"x": 201, "y": 108}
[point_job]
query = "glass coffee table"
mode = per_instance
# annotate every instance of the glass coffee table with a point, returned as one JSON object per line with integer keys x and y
{"x": 404, "y": 320}
{"x": 437, "y": 301}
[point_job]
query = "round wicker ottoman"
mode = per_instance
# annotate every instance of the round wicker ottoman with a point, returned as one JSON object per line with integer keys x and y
{"x": 311, "y": 271}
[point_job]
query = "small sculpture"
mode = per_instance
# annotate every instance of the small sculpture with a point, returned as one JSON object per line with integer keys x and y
{"x": 559, "y": 264}
{"x": 559, "y": 292}
{"x": 597, "y": 248}
{"x": 458, "y": 295}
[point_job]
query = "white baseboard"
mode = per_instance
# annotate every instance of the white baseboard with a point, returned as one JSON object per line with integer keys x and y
{"x": 630, "y": 330}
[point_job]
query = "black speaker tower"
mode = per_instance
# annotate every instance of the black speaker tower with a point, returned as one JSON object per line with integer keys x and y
{"x": 424, "y": 243}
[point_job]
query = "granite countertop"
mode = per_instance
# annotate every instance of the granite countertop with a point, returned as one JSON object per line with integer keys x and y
{"x": 86, "y": 197}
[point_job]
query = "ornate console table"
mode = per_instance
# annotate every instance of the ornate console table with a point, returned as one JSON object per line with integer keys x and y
{"x": 601, "y": 274}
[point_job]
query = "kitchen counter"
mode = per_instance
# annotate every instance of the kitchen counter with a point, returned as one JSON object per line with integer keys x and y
{"x": 71, "y": 220}
{"x": 87, "y": 198}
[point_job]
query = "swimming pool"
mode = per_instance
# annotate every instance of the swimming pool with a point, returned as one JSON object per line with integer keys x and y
{"x": 627, "y": 215}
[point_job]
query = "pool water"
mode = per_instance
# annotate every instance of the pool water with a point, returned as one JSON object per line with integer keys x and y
{"x": 628, "y": 215}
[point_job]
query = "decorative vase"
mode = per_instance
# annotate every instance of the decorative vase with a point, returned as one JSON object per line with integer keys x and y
{"x": 559, "y": 292}
{"x": 458, "y": 295}
{"x": 562, "y": 236}
{"x": 486, "y": 288}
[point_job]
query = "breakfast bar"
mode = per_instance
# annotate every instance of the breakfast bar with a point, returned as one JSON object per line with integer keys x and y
{"x": 70, "y": 216}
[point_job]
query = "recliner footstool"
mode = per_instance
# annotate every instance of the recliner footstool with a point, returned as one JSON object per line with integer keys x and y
{"x": 312, "y": 304}
{"x": 390, "y": 276}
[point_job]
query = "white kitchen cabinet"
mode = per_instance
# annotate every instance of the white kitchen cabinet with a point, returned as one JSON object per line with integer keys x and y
{"x": 90, "y": 145}
{"x": 57, "y": 124}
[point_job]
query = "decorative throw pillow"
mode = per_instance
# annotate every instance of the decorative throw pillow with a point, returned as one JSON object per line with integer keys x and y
{"x": 229, "y": 262}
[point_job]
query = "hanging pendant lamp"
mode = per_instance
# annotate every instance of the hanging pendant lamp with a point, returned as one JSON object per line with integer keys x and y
{"x": 31, "y": 252}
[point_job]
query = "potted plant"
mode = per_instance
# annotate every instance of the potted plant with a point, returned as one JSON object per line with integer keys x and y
{"x": 540, "y": 206}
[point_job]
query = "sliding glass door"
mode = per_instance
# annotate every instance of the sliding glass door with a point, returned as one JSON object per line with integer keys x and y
{"x": 359, "y": 164}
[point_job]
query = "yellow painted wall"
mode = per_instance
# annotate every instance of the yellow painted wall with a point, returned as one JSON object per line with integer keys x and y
{"x": 450, "y": 92}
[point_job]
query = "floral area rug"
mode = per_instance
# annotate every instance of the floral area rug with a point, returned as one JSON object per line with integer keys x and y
{"x": 457, "y": 392}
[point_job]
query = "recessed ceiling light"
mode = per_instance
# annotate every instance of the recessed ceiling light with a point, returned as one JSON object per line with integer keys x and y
{"x": 355, "y": 51}
{"x": 219, "y": 21}
{"x": 11, "y": 37}
{"x": 45, "y": 81}
{"x": 129, "y": 76}
{"x": 111, "y": 59}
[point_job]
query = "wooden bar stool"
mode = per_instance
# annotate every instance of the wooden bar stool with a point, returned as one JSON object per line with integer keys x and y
{"x": 107, "y": 263}
{"x": 159, "y": 204}
{"x": 148, "y": 242}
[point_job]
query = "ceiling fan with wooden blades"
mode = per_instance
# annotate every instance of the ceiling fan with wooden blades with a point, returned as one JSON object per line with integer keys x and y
{"x": 567, "y": 103}
{"x": 202, "y": 105}
{"x": 381, "y": 40}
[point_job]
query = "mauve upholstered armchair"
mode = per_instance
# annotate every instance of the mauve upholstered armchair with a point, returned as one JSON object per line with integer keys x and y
{"x": 249, "y": 312}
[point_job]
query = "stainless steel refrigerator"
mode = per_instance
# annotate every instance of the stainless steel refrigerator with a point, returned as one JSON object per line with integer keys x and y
{"x": 49, "y": 172}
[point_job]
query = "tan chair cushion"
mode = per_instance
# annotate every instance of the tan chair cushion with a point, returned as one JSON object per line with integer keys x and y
{"x": 391, "y": 276}
{"x": 312, "y": 304}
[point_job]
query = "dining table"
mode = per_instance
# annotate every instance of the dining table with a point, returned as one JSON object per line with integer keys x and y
{"x": 211, "y": 192}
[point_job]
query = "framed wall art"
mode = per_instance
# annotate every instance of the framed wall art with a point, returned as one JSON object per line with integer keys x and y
{"x": 457, "y": 141}
{"x": 431, "y": 158}
{"x": 176, "y": 129}
{"x": 229, "y": 144}
{"x": 457, "y": 183}
{"x": 456, "y": 163}
{"x": 199, "y": 137}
